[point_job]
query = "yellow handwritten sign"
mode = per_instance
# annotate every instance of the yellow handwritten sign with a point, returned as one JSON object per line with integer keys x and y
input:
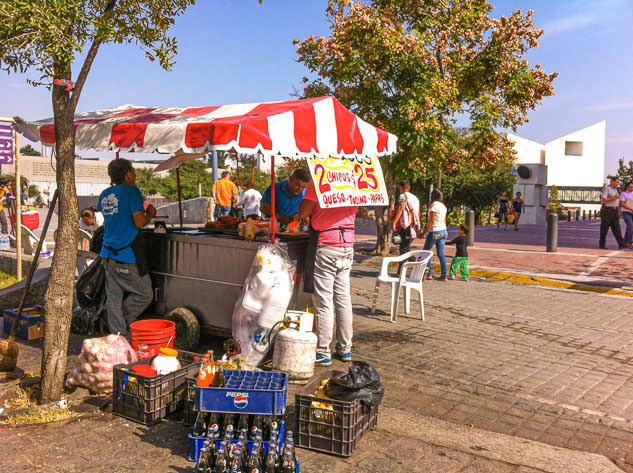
{"x": 348, "y": 182}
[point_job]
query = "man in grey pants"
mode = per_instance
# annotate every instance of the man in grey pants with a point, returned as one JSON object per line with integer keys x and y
{"x": 128, "y": 285}
{"x": 332, "y": 245}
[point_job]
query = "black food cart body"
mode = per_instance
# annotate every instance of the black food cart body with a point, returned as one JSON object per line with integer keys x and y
{"x": 205, "y": 273}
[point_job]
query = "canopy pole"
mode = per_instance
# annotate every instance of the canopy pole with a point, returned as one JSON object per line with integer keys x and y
{"x": 272, "y": 198}
{"x": 179, "y": 194}
{"x": 18, "y": 209}
{"x": 117, "y": 155}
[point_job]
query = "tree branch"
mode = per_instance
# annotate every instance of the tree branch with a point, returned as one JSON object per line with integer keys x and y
{"x": 83, "y": 74}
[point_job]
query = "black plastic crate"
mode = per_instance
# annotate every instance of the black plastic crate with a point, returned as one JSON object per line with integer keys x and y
{"x": 334, "y": 430}
{"x": 148, "y": 399}
{"x": 189, "y": 412}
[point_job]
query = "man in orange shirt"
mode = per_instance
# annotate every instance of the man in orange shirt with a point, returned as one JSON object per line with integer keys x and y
{"x": 225, "y": 195}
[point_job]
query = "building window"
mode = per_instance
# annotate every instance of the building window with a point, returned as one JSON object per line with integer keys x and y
{"x": 573, "y": 148}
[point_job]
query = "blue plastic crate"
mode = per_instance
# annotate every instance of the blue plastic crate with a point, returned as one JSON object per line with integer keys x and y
{"x": 197, "y": 442}
{"x": 31, "y": 319}
{"x": 246, "y": 392}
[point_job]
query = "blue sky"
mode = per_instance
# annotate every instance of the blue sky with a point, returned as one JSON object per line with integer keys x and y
{"x": 239, "y": 51}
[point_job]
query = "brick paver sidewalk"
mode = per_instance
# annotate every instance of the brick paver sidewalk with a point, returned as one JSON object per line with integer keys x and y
{"x": 535, "y": 364}
{"x": 578, "y": 258}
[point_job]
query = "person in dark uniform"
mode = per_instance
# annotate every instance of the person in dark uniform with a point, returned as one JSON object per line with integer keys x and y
{"x": 503, "y": 210}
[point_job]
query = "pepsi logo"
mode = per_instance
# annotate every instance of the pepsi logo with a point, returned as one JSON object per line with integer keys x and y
{"x": 240, "y": 402}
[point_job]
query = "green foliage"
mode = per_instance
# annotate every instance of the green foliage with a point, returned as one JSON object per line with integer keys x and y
{"x": 625, "y": 172}
{"x": 261, "y": 179}
{"x": 473, "y": 188}
{"x": 148, "y": 182}
{"x": 48, "y": 35}
{"x": 192, "y": 173}
{"x": 28, "y": 150}
{"x": 554, "y": 204}
{"x": 414, "y": 66}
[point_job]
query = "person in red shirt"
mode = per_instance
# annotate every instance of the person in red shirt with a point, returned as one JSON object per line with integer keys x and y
{"x": 331, "y": 249}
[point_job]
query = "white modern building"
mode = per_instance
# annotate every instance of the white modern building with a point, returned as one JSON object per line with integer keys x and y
{"x": 574, "y": 161}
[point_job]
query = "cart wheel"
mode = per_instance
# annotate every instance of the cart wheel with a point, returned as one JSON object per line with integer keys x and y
{"x": 187, "y": 328}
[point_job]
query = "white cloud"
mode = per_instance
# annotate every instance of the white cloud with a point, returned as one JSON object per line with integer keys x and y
{"x": 609, "y": 107}
{"x": 575, "y": 22}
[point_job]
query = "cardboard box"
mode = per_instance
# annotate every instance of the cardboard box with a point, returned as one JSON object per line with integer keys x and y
{"x": 31, "y": 326}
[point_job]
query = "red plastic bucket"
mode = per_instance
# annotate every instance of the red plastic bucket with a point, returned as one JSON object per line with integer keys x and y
{"x": 148, "y": 336}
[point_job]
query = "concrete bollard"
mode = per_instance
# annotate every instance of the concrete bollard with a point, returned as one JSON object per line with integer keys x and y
{"x": 584, "y": 217}
{"x": 569, "y": 215}
{"x": 470, "y": 221}
{"x": 552, "y": 233}
{"x": 577, "y": 215}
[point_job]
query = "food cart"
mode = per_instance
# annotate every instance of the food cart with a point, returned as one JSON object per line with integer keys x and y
{"x": 200, "y": 273}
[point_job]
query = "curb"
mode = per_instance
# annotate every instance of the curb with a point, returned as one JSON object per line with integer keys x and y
{"x": 540, "y": 281}
{"x": 494, "y": 446}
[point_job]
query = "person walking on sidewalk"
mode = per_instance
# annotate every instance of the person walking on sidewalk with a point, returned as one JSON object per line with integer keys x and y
{"x": 626, "y": 203}
{"x": 329, "y": 258}
{"x": 460, "y": 260}
{"x": 502, "y": 211}
{"x": 406, "y": 217}
{"x": 435, "y": 231}
{"x": 517, "y": 208}
{"x": 609, "y": 217}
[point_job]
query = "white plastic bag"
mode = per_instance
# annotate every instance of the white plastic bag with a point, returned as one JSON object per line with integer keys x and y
{"x": 94, "y": 365}
{"x": 263, "y": 302}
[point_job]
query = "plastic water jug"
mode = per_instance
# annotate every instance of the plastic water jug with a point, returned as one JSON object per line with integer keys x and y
{"x": 5, "y": 243}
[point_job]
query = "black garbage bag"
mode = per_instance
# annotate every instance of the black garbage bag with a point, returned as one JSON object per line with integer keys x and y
{"x": 361, "y": 381}
{"x": 91, "y": 284}
{"x": 90, "y": 321}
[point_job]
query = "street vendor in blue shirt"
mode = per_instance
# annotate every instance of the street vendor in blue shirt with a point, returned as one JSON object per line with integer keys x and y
{"x": 288, "y": 196}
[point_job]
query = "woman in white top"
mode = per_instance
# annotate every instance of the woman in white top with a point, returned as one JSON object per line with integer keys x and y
{"x": 406, "y": 217}
{"x": 435, "y": 231}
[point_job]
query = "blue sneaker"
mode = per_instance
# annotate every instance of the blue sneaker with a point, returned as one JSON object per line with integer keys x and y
{"x": 323, "y": 360}
{"x": 347, "y": 357}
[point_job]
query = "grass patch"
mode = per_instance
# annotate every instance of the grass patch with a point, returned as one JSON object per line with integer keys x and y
{"x": 7, "y": 280}
{"x": 26, "y": 399}
{"x": 35, "y": 416}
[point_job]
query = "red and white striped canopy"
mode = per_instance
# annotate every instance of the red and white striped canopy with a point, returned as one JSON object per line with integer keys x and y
{"x": 318, "y": 126}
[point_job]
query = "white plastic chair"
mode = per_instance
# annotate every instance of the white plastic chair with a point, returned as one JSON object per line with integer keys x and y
{"x": 29, "y": 241}
{"x": 413, "y": 280}
{"x": 83, "y": 240}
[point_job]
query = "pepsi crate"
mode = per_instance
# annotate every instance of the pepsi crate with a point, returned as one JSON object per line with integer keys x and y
{"x": 148, "y": 399}
{"x": 31, "y": 325}
{"x": 197, "y": 442}
{"x": 330, "y": 425}
{"x": 246, "y": 392}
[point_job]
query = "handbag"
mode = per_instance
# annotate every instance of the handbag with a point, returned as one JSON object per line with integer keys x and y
{"x": 497, "y": 215}
{"x": 395, "y": 238}
{"x": 91, "y": 283}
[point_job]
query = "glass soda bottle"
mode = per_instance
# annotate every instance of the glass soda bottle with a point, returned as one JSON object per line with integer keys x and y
{"x": 203, "y": 378}
{"x": 218, "y": 379}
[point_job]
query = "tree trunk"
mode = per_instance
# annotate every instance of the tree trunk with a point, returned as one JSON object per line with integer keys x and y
{"x": 383, "y": 226}
{"x": 59, "y": 296}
